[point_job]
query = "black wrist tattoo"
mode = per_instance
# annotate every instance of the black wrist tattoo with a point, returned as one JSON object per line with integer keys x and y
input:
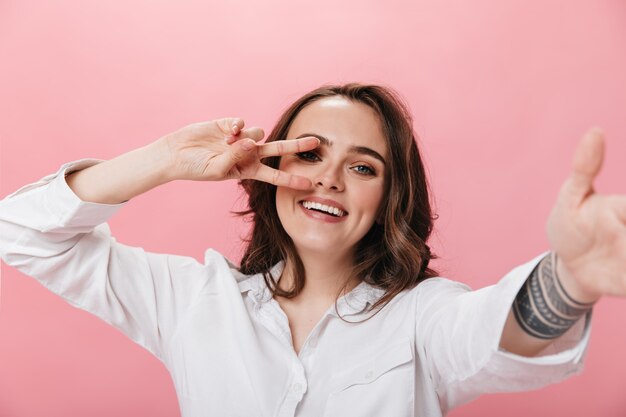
{"x": 542, "y": 307}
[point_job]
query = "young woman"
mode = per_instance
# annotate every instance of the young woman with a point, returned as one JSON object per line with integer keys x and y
{"x": 333, "y": 310}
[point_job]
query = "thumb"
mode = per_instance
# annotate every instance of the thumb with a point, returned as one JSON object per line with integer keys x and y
{"x": 587, "y": 163}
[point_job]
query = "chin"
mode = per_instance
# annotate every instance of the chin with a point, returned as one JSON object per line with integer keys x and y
{"x": 320, "y": 246}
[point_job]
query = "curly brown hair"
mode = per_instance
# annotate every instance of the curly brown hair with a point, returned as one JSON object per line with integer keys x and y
{"x": 393, "y": 255}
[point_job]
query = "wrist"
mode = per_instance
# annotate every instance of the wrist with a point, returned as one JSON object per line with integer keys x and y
{"x": 572, "y": 285}
{"x": 159, "y": 157}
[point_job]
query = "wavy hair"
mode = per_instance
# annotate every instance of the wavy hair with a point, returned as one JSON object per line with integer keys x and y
{"x": 393, "y": 255}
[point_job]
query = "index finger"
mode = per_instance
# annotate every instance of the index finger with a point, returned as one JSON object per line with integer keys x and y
{"x": 285, "y": 147}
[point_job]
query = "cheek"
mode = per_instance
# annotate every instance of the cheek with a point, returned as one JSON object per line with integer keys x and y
{"x": 370, "y": 198}
{"x": 281, "y": 205}
{"x": 282, "y": 198}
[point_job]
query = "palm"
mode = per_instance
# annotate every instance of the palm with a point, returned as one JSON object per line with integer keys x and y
{"x": 588, "y": 230}
{"x": 222, "y": 149}
{"x": 203, "y": 145}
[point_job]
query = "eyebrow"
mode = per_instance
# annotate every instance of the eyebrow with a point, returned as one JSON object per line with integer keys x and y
{"x": 353, "y": 149}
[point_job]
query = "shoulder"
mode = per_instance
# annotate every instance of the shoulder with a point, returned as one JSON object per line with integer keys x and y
{"x": 433, "y": 293}
{"x": 254, "y": 284}
{"x": 438, "y": 284}
{"x": 436, "y": 287}
{"x": 218, "y": 262}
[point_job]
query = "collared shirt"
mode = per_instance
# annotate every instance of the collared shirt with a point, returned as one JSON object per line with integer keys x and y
{"x": 227, "y": 344}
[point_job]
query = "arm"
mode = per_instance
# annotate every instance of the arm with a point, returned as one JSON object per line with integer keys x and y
{"x": 587, "y": 232}
{"x": 209, "y": 151}
{"x": 458, "y": 335}
{"x": 48, "y": 233}
{"x": 122, "y": 178}
{"x": 472, "y": 342}
{"x": 58, "y": 234}
{"x": 545, "y": 308}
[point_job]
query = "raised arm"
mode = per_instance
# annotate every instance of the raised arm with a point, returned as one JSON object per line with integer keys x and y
{"x": 207, "y": 151}
{"x": 55, "y": 230}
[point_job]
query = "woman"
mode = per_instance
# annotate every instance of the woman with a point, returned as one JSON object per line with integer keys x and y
{"x": 325, "y": 316}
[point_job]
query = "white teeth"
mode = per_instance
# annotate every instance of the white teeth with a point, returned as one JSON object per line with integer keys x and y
{"x": 322, "y": 207}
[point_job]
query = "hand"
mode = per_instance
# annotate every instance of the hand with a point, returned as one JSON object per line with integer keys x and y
{"x": 588, "y": 230}
{"x": 222, "y": 149}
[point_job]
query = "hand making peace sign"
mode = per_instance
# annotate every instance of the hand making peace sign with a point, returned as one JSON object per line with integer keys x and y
{"x": 223, "y": 149}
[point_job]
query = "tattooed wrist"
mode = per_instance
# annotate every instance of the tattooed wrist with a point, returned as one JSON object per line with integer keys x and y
{"x": 543, "y": 308}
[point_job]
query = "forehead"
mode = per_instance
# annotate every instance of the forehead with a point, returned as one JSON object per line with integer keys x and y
{"x": 344, "y": 122}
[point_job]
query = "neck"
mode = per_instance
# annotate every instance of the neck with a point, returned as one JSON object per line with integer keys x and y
{"x": 325, "y": 276}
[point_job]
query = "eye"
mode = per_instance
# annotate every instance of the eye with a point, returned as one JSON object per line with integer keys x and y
{"x": 308, "y": 156}
{"x": 364, "y": 170}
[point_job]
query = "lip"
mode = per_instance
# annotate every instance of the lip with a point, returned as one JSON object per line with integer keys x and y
{"x": 318, "y": 215}
{"x": 324, "y": 201}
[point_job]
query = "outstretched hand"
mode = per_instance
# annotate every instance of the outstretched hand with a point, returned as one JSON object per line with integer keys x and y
{"x": 588, "y": 230}
{"x": 223, "y": 149}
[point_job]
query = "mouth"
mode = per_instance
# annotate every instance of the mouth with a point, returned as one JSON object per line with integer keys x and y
{"x": 323, "y": 208}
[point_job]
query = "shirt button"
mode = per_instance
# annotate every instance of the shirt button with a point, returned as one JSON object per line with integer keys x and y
{"x": 369, "y": 374}
{"x": 313, "y": 342}
{"x": 297, "y": 387}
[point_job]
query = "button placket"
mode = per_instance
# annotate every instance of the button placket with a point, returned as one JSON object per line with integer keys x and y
{"x": 299, "y": 382}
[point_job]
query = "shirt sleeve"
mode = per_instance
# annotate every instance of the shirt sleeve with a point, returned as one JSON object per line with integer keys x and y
{"x": 459, "y": 331}
{"x": 48, "y": 233}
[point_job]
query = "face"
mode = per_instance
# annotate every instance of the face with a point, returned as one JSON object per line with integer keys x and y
{"x": 348, "y": 175}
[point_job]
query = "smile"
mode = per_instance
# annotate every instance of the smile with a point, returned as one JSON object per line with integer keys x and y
{"x": 323, "y": 208}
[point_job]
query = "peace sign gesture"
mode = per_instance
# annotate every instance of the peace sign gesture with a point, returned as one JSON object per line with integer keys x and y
{"x": 223, "y": 149}
{"x": 588, "y": 230}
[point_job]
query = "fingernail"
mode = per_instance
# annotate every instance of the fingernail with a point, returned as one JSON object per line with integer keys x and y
{"x": 235, "y": 129}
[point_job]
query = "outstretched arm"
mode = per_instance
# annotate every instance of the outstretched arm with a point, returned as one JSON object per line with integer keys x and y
{"x": 587, "y": 233}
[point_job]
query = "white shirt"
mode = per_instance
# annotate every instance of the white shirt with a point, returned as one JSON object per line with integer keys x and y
{"x": 227, "y": 343}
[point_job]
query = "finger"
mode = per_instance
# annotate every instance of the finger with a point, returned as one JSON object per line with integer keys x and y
{"x": 254, "y": 133}
{"x": 587, "y": 163}
{"x": 236, "y": 153}
{"x": 230, "y": 125}
{"x": 284, "y": 147}
{"x": 282, "y": 178}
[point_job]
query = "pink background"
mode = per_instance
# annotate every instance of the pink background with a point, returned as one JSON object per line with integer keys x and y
{"x": 501, "y": 92}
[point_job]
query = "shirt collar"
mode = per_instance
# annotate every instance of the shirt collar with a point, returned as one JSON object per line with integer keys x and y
{"x": 354, "y": 302}
{"x": 255, "y": 284}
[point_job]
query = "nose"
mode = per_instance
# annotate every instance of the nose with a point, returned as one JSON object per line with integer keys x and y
{"x": 330, "y": 178}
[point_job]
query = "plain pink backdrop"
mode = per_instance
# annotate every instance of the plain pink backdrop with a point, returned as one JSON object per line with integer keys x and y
{"x": 500, "y": 91}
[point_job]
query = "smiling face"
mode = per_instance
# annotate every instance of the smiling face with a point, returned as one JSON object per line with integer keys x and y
{"x": 348, "y": 175}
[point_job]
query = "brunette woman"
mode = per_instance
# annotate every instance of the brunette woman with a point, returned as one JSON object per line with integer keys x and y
{"x": 334, "y": 310}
